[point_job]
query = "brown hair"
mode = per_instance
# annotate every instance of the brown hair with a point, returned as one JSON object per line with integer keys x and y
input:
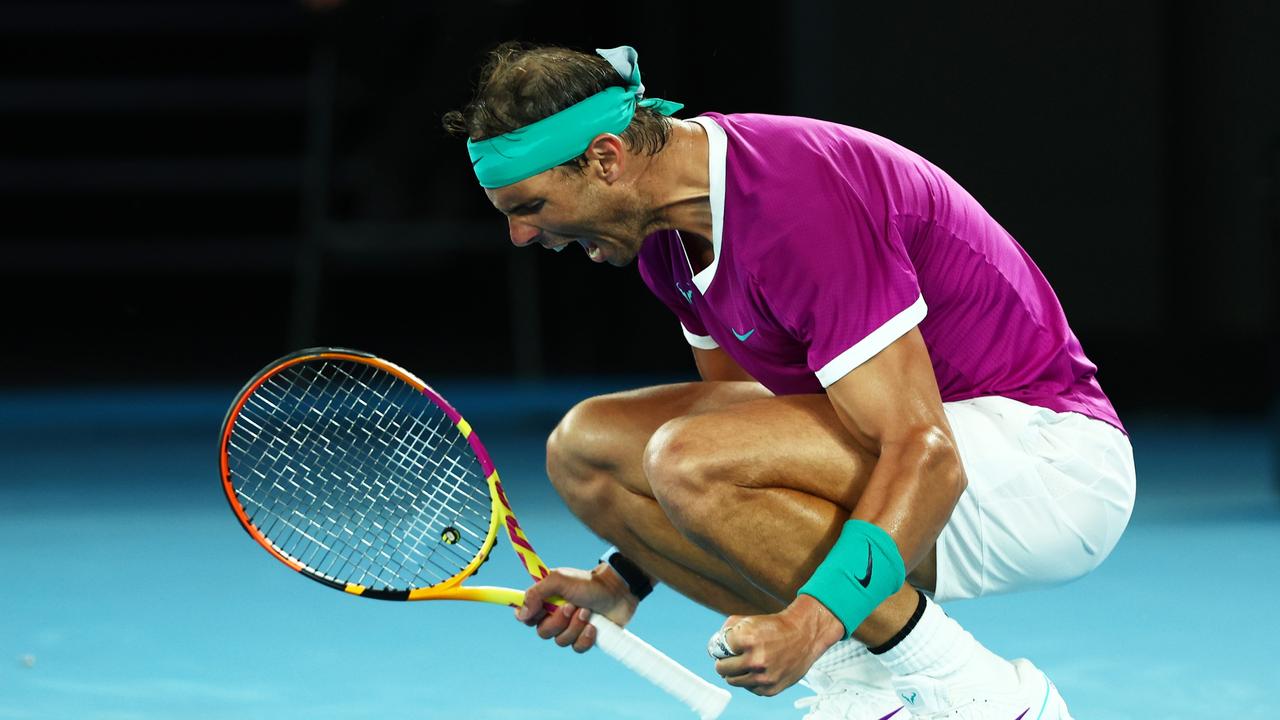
{"x": 521, "y": 84}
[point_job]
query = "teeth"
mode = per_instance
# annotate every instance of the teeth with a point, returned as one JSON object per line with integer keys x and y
{"x": 558, "y": 248}
{"x": 594, "y": 252}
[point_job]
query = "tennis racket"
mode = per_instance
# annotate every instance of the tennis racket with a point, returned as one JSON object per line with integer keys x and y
{"x": 356, "y": 474}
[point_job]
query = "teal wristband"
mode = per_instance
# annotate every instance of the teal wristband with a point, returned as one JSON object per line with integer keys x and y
{"x": 863, "y": 569}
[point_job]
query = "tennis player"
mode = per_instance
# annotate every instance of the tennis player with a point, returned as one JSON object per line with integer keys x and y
{"x": 894, "y": 412}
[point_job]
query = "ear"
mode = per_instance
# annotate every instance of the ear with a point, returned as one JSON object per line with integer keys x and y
{"x": 606, "y": 157}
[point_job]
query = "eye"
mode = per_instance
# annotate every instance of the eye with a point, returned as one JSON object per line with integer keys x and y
{"x": 527, "y": 208}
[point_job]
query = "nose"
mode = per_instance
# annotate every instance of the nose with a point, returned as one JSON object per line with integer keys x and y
{"x": 522, "y": 233}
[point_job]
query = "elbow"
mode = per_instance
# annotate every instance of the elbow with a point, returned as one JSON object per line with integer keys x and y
{"x": 941, "y": 462}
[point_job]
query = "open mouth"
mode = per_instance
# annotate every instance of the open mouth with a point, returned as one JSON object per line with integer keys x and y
{"x": 593, "y": 251}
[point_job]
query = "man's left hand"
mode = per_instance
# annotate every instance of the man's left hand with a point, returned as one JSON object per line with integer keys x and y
{"x": 775, "y": 651}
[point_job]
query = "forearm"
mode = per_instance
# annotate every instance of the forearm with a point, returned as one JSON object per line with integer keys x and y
{"x": 912, "y": 490}
{"x": 908, "y": 499}
{"x": 890, "y": 406}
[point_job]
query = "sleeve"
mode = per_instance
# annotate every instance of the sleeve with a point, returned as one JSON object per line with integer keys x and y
{"x": 702, "y": 342}
{"x": 845, "y": 295}
{"x": 655, "y": 270}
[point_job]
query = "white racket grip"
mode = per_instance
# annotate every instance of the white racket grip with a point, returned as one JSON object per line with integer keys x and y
{"x": 648, "y": 662}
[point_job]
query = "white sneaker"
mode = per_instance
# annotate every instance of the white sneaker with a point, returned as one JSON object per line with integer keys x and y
{"x": 1035, "y": 698}
{"x": 856, "y": 687}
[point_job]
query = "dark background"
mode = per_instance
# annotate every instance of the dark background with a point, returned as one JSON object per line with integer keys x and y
{"x": 191, "y": 189}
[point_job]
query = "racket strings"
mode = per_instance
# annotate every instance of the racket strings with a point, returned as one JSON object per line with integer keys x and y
{"x": 355, "y": 474}
{"x": 400, "y": 459}
{"x": 374, "y": 492}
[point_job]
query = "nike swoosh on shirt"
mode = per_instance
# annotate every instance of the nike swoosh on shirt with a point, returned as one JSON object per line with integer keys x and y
{"x": 743, "y": 336}
{"x": 1024, "y": 714}
{"x": 886, "y": 717}
{"x": 688, "y": 294}
{"x": 865, "y": 580}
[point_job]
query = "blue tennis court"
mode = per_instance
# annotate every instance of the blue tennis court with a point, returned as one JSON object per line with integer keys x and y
{"x": 135, "y": 594}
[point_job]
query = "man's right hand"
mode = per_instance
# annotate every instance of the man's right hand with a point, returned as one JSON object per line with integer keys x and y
{"x": 600, "y": 590}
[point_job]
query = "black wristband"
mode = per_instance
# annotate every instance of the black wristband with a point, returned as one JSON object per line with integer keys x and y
{"x": 637, "y": 582}
{"x": 902, "y": 634}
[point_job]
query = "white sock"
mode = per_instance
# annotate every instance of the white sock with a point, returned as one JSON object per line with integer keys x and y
{"x": 841, "y": 655}
{"x": 939, "y": 648}
{"x": 848, "y": 661}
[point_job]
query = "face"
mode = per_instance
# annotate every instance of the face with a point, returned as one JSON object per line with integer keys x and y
{"x": 562, "y": 207}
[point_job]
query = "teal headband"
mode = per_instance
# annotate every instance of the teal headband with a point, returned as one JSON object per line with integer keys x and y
{"x": 559, "y": 138}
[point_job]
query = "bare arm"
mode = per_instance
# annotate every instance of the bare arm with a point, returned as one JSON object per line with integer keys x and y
{"x": 717, "y": 365}
{"x": 891, "y": 405}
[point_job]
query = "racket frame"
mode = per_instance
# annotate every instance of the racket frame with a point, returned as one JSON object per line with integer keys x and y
{"x": 706, "y": 700}
{"x": 501, "y": 514}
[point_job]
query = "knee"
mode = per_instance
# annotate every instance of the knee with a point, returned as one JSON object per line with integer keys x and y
{"x": 680, "y": 469}
{"x": 579, "y": 446}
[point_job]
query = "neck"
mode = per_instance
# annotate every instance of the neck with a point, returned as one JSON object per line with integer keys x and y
{"x": 679, "y": 185}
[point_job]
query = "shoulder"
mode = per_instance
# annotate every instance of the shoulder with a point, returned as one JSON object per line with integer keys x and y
{"x": 791, "y": 181}
{"x": 794, "y": 130}
{"x": 754, "y": 123}
{"x": 794, "y": 146}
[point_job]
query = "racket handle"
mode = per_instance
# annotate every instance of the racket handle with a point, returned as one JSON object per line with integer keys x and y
{"x": 707, "y": 700}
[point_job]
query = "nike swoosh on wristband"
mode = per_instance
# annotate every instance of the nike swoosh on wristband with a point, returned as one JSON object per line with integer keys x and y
{"x": 865, "y": 580}
{"x": 886, "y": 717}
{"x": 743, "y": 336}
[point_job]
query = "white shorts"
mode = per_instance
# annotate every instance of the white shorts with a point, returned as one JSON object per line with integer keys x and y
{"x": 1049, "y": 495}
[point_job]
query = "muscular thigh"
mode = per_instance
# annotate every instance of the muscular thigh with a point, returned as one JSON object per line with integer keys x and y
{"x": 795, "y": 442}
{"x": 610, "y": 432}
{"x": 792, "y": 441}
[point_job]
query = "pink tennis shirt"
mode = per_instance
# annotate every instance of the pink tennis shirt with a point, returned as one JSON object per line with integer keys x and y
{"x": 831, "y": 242}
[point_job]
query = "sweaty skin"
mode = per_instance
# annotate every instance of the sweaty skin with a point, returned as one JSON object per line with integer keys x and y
{"x": 654, "y": 470}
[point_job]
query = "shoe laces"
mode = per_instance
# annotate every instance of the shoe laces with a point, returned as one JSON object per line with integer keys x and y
{"x": 834, "y": 698}
{"x": 831, "y": 700}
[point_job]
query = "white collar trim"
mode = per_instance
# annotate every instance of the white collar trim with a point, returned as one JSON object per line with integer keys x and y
{"x": 717, "y": 155}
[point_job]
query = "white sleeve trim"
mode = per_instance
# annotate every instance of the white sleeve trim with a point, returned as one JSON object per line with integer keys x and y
{"x": 866, "y": 348}
{"x": 702, "y": 342}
